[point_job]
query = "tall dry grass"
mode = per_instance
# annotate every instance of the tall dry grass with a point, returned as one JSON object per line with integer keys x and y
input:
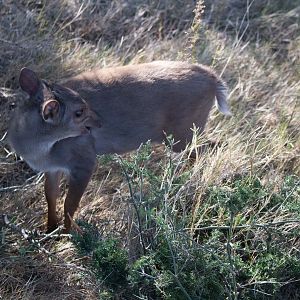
{"x": 255, "y": 46}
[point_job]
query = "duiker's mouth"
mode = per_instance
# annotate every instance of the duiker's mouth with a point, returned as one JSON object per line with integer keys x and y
{"x": 88, "y": 128}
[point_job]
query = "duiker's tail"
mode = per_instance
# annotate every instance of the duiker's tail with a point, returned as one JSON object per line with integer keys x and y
{"x": 221, "y": 95}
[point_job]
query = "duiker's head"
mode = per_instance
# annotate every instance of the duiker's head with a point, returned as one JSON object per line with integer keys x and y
{"x": 51, "y": 113}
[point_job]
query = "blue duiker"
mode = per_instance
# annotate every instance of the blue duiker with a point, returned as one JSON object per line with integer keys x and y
{"x": 60, "y": 128}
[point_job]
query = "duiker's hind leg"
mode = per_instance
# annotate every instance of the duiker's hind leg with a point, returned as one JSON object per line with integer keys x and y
{"x": 52, "y": 191}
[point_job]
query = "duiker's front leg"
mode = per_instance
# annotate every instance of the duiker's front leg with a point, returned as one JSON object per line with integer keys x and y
{"x": 79, "y": 179}
{"x": 52, "y": 191}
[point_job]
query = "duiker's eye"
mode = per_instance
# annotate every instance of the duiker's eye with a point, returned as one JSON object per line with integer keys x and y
{"x": 79, "y": 113}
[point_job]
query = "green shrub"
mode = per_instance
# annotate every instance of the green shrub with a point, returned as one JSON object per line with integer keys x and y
{"x": 237, "y": 255}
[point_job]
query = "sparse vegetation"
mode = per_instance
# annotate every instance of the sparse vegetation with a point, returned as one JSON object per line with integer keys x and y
{"x": 154, "y": 224}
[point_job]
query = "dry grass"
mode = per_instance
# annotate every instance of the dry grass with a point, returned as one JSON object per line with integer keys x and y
{"x": 253, "y": 44}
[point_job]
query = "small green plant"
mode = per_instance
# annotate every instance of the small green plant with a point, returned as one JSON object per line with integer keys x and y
{"x": 108, "y": 260}
{"x": 88, "y": 239}
{"x": 110, "y": 263}
{"x": 105, "y": 159}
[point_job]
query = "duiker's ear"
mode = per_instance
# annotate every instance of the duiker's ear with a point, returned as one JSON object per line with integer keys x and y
{"x": 50, "y": 111}
{"x": 29, "y": 82}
